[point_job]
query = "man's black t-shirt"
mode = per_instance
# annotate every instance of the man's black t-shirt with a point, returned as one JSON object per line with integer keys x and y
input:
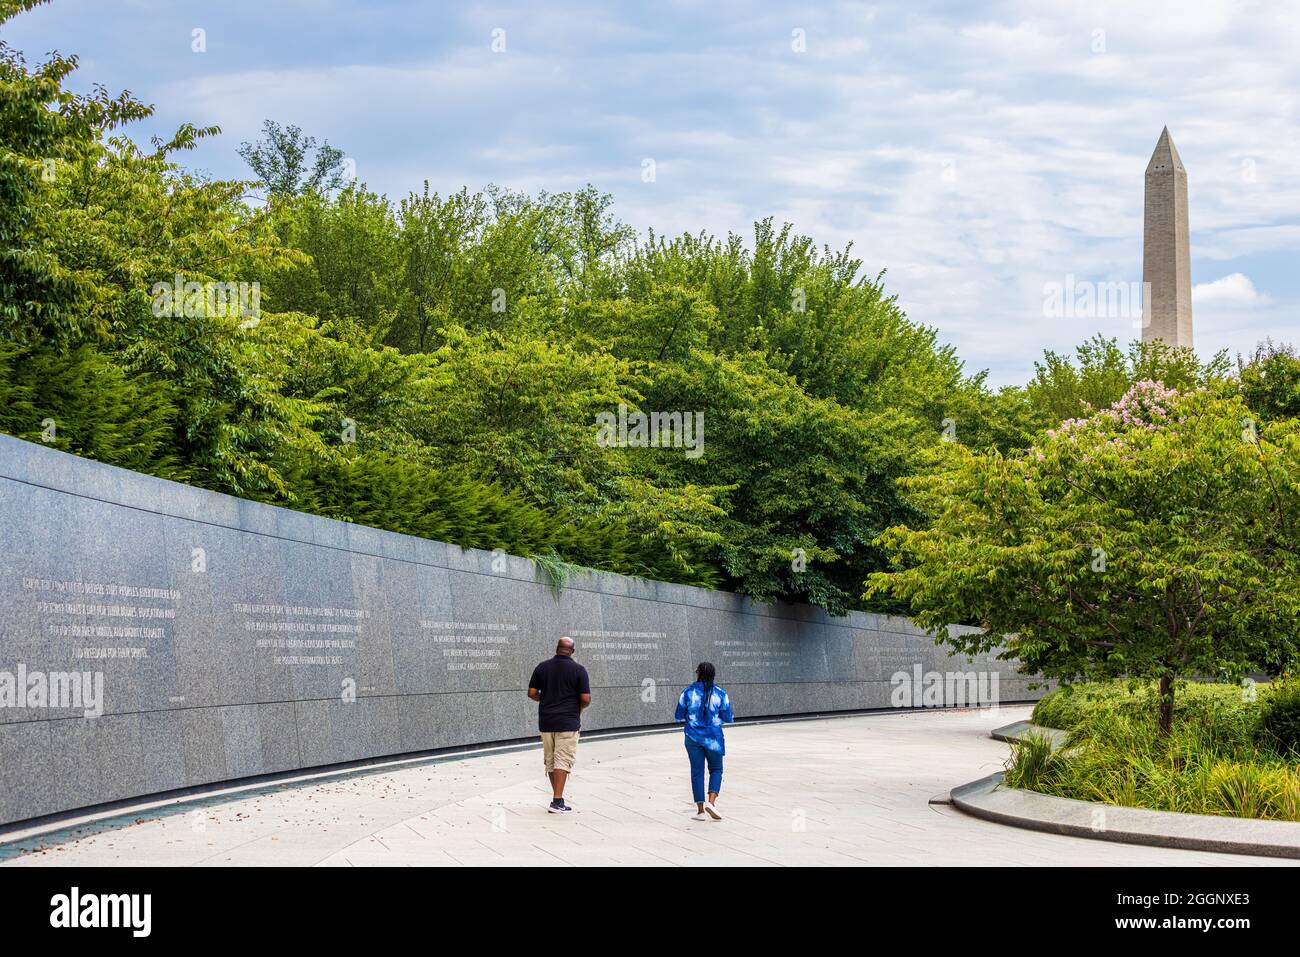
{"x": 560, "y": 680}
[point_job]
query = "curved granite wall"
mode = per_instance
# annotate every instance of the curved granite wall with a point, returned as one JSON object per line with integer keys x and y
{"x": 235, "y": 639}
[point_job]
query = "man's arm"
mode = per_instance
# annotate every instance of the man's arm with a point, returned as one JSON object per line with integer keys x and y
{"x": 584, "y": 690}
{"x": 534, "y": 689}
{"x": 534, "y": 694}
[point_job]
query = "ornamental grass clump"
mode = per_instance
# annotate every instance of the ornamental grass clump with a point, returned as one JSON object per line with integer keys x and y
{"x": 1217, "y": 758}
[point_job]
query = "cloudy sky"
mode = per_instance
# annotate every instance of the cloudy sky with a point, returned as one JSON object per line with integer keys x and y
{"x": 979, "y": 152}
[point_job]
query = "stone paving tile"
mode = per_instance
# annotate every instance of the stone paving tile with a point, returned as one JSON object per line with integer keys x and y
{"x": 835, "y": 792}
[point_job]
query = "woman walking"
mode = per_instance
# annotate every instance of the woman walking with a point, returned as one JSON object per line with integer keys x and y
{"x": 705, "y": 708}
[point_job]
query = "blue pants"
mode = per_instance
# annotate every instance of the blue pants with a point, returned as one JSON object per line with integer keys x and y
{"x": 700, "y": 755}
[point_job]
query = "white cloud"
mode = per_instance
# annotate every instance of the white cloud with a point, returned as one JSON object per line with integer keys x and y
{"x": 1235, "y": 289}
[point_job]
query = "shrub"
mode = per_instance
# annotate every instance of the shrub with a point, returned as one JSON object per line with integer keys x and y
{"x": 1220, "y": 708}
{"x": 1279, "y": 718}
{"x": 82, "y": 402}
{"x": 1225, "y": 754}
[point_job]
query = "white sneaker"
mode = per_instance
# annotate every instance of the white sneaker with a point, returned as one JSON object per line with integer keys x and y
{"x": 701, "y": 816}
{"x": 712, "y": 810}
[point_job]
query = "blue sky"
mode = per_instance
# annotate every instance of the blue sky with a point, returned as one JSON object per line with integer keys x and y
{"x": 978, "y": 152}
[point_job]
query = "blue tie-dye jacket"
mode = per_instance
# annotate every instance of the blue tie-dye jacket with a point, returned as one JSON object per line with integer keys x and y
{"x": 704, "y": 719}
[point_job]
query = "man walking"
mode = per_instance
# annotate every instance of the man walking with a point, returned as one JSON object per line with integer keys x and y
{"x": 562, "y": 689}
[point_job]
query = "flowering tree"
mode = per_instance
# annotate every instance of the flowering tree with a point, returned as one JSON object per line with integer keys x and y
{"x": 1155, "y": 539}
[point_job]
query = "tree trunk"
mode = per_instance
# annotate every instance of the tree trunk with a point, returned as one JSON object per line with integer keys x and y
{"x": 1166, "y": 704}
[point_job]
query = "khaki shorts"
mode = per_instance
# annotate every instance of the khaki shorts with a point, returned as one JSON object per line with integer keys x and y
{"x": 559, "y": 750}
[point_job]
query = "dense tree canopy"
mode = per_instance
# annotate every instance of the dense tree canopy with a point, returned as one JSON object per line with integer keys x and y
{"x": 438, "y": 364}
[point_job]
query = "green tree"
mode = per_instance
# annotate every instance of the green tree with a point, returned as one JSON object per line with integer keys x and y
{"x": 43, "y": 129}
{"x": 349, "y": 272}
{"x": 94, "y": 241}
{"x": 1155, "y": 539}
{"x": 1270, "y": 381}
{"x": 280, "y": 161}
{"x": 443, "y": 282}
{"x": 1062, "y": 389}
{"x": 478, "y": 261}
{"x": 580, "y": 240}
{"x": 806, "y": 484}
{"x": 521, "y": 411}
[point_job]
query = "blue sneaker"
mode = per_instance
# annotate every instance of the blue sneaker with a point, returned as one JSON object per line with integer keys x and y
{"x": 559, "y": 807}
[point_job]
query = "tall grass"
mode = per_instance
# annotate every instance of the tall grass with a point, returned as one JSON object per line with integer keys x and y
{"x": 1221, "y": 757}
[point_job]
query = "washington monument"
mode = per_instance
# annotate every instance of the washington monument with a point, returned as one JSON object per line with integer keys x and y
{"x": 1166, "y": 251}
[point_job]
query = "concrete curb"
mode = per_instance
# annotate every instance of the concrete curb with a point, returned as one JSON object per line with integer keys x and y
{"x": 1017, "y": 730}
{"x": 988, "y": 799}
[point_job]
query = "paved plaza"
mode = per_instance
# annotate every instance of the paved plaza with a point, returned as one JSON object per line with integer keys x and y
{"x": 838, "y": 791}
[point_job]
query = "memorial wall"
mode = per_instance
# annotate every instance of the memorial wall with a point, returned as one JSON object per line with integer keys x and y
{"x": 156, "y": 636}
